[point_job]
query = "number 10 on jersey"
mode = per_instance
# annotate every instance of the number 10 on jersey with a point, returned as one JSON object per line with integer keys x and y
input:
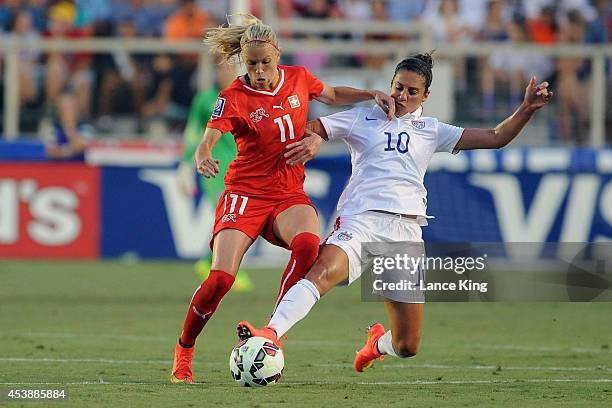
{"x": 281, "y": 127}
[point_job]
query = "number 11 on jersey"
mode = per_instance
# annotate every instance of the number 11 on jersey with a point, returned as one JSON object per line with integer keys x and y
{"x": 281, "y": 127}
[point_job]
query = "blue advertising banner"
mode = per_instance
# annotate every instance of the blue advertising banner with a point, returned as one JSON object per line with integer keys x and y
{"x": 513, "y": 195}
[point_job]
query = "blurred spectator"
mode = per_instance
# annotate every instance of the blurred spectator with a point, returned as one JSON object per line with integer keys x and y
{"x": 67, "y": 70}
{"x": 356, "y": 10}
{"x": 160, "y": 88}
{"x": 91, "y": 12}
{"x": 402, "y": 10}
{"x": 189, "y": 21}
{"x": 121, "y": 86}
{"x": 447, "y": 24}
{"x": 68, "y": 139}
{"x": 317, "y": 9}
{"x": 543, "y": 28}
{"x": 148, "y": 15}
{"x": 573, "y": 100}
{"x": 218, "y": 10}
{"x": 312, "y": 60}
{"x": 379, "y": 13}
{"x": 38, "y": 11}
{"x": 496, "y": 26}
{"x": 448, "y": 27}
{"x": 598, "y": 30}
{"x": 20, "y": 27}
{"x": 511, "y": 68}
{"x": 7, "y": 10}
{"x": 534, "y": 7}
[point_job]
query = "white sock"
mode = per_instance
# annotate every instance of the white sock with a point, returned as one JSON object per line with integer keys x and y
{"x": 294, "y": 306}
{"x": 385, "y": 344}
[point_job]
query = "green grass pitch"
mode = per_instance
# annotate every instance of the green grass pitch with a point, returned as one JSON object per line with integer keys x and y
{"x": 106, "y": 331}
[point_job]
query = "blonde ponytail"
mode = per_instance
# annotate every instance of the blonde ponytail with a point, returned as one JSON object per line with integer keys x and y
{"x": 229, "y": 41}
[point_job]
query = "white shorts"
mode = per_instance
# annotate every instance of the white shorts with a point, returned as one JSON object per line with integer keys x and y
{"x": 351, "y": 230}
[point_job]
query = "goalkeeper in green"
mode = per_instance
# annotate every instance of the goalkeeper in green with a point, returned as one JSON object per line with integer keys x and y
{"x": 225, "y": 151}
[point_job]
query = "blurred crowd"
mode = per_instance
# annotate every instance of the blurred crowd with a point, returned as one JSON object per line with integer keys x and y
{"x": 105, "y": 86}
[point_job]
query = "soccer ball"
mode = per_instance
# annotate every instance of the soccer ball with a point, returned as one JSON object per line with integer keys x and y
{"x": 256, "y": 362}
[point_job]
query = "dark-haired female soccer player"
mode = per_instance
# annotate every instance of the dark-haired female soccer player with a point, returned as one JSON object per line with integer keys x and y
{"x": 384, "y": 200}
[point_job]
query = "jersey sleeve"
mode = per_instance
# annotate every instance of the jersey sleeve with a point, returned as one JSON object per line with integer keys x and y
{"x": 339, "y": 125}
{"x": 315, "y": 85}
{"x": 225, "y": 116}
{"x": 447, "y": 137}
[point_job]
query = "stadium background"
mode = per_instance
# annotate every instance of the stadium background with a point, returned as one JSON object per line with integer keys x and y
{"x": 552, "y": 184}
{"x": 112, "y": 221}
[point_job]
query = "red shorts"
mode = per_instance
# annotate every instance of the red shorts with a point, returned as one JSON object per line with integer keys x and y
{"x": 254, "y": 215}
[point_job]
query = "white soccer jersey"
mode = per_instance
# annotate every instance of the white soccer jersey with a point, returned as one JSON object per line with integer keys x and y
{"x": 389, "y": 158}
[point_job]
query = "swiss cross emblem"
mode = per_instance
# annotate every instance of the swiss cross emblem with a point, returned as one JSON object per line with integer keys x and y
{"x": 294, "y": 101}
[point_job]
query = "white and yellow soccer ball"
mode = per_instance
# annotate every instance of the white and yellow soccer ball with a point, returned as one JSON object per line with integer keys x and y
{"x": 256, "y": 362}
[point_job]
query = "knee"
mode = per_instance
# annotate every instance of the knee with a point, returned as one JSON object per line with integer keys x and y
{"x": 307, "y": 244}
{"x": 406, "y": 348}
{"x": 320, "y": 276}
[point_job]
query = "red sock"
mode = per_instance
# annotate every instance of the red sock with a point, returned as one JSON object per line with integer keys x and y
{"x": 204, "y": 303}
{"x": 304, "y": 251}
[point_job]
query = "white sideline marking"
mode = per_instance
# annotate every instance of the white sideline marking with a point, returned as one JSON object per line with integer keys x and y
{"x": 103, "y": 336}
{"x": 81, "y": 360}
{"x": 475, "y": 367}
{"x": 162, "y": 339}
{"x": 298, "y": 342}
{"x": 416, "y": 382}
{"x": 539, "y": 348}
{"x": 338, "y": 365}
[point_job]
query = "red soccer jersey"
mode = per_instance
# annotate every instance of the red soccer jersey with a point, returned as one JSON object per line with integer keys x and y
{"x": 263, "y": 124}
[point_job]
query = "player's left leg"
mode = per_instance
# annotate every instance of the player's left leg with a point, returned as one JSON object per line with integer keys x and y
{"x": 212, "y": 188}
{"x": 298, "y": 227}
{"x": 406, "y": 320}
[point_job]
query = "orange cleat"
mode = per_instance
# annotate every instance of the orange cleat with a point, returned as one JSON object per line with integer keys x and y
{"x": 246, "y": 330}
{"x": 369, "y": 352}
{"x": 181, "y": 370}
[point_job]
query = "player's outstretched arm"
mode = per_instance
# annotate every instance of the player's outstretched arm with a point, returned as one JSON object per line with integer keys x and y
{"x": 345, "y": 95}
{"x": 306, "y": 149}
{"x": 536, "y": 96}
{"x": 205, "y": 164}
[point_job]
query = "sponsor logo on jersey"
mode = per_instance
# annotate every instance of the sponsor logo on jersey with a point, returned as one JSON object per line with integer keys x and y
{"x": 219, "y": 105}
{"x": 258, "y": 115}
{"x": 278, "y": 106}
{"x": 228, "y": 218}
{"x": 368, "y": 119}
{"x": 345, "y": 236}
{"x": 294, "y": 101}
{"x": 418, "y": 124}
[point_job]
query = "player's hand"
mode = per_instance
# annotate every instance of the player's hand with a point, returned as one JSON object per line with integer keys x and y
{"x": 538, "y": 95}
{"x": 186, "y": 178}
{"x": 386, "y": 103}
{"x": 304, "y": 150}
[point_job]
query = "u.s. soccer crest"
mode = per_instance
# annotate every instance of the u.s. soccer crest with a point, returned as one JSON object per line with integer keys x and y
{"x": 294, "y": 101}
{"x": 345, "y": 236}
{"x": 219, "y": 105}
{"x": 418, "y": 124}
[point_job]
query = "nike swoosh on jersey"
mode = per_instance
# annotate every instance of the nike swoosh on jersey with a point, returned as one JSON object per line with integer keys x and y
{"x": 366, "y": 118}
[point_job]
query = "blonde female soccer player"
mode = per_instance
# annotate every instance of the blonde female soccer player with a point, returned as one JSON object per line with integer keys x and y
{"x": 265, "y": 110}
{"x": 384, "y": 200}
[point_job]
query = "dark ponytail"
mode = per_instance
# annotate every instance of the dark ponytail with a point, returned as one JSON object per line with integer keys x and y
{"x": 421, "y": 64}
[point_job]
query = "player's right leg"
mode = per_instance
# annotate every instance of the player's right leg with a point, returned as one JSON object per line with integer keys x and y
{"x": 230, "y": 246}
{"x": 330, "y": 269}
